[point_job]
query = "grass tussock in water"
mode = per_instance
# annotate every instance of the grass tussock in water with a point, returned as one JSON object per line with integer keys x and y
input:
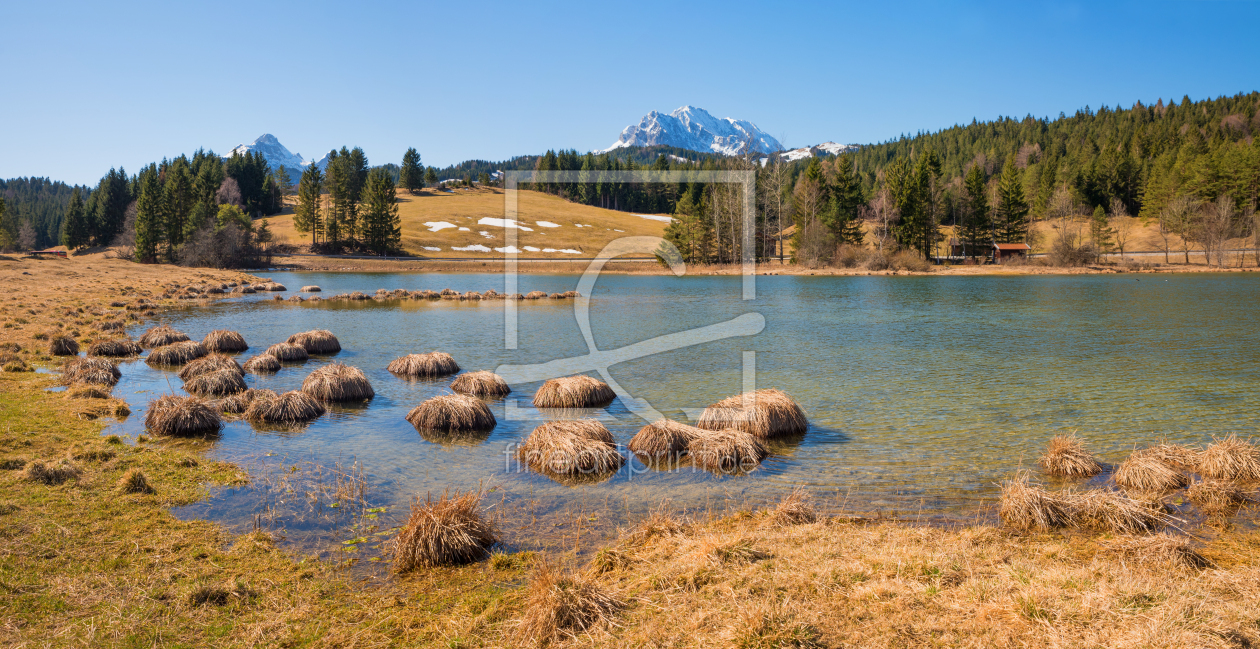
{"x": 160, "y": 336}
{"x": 1110, "y": 511}
{"x": 176, "y": 354}
{"x": 289, "y": 408}
{"x": 765, "y": 413}
{"x": 207, "y": 364}
{"x": 1216, "y": 498}
{"x": 288, "y": 352}
{"x": 578, "y": 391}
{"x": 1025, "y": 506}
{"x": 430, "y": 365}
{"x": 223, "y": 340}
{"x": 1066, "y": 457}
{"x": 94, "y": 371}
{"x": 563, "y": 605}
{"x": 1146, "y": 472}
{"x": 63, "y": 345}
{"x": 174, "y": 416}
{"x": 663, "y": 440}
{"x": 1230, "y": 459}
{"x": 571, "y": 448}
{"x": 480, "y": 384}
{"x": 450, "y": 530}
{"x": 452, "y": 413}
{"x": 318, "y": 341}
{"x": 117, "y": 347}
{"x": 237, "y": 403}
{"x": 726, "y": 451}
{"x": 338, "y": 382}
{"x": 262, "y": 364}
{"x": 218, "y": 383}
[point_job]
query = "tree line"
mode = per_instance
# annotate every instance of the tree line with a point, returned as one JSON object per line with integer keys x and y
{"x": 360, "y": 210}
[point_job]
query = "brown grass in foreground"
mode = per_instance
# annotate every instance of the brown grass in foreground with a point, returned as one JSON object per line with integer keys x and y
{"x": 561, "y": 605}
{"x": 1066, "y": 456}
{"x": 1230, "y": 459}
{"x": 447, "y": 531}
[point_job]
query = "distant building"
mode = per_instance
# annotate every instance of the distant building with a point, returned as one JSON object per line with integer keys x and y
{"x": 1003, "y": 251}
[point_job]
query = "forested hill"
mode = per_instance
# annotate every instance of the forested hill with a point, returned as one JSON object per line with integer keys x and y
{"x": 642, "y": 156}
{"x": 1142, "y": 155}
{"x": 41, "y": 202}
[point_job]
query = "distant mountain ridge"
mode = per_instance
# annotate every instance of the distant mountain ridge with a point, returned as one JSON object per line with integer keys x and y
{"x": 277, "y": 155}
{"x": 695, "y": 129}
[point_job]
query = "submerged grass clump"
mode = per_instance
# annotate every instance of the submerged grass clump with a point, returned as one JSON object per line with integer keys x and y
{"x": 176, "y": 354}
{"x": 1066, "y": 457}
{"x": 288, "y": 352}
{"x": 1110, "y": 511}
{"x": 1230, "y": 459}
{"x": 452, "y": 413}
{"x": 663, "y": 440}
{"x": 338, "y": 382}
{"x": 222, "y": 340}
{"x": 726, "y": 451}
{"x": 1146, "y": 472}
{"x": 578, "y": 391}
{"x": 208, "y": 364}
{"x": 1215, "y": 497}
{"x": 239, "y": 402}
{"x": 318, "y": 341}
{"x": 447, "y": 531}
{"x": 430, "y": 365}
{"x": 571, "y": 448}
{"x": 174, "y": 416}
{"x": 262, "y": 364}
{"x": 160, "y": 336}
{"x": 480, "y": 384}
{"x": 288, "y": 408}
{"x": 765, "y": 413}
{"x": 218, "y": 383}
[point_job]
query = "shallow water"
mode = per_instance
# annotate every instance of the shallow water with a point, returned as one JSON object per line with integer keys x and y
{"x": 922, "y": 392}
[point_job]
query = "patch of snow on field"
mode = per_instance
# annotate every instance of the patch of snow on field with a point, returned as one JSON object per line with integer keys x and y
{"x": 465, "y": 230}
{"x": 567, "y": 251}
{"x": 547, "y": 224}
{"x": 531, "y": 249}
{"x": 508, "y": 249}
{"x": 486, "y": 234}
{"x": 476, "y": 247}
{"x": 432, "y": 248}
{"x": 434, "y": 226}
{"x": 653, "y": 217}
{"x": 615, "y": 230}
{"x": 583, "y": 225}
{"x": 503, "y": 223}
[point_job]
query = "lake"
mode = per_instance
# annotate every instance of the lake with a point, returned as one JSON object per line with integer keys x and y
{"x": 922, "y": 392}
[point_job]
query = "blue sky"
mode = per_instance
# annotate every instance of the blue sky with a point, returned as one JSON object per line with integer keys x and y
{"x": 94, "y": 85}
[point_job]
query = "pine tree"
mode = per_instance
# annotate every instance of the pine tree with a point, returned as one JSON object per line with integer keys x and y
{"x": 976, "y": 231}
{"x": 179, "y": 202}
{"x": 335, "y": 207}
{"x": 77, "y": 230}
{"x": 307, "y": 216}
{"x": 381, "y": 229}
{"x": 7, "y": 236}
{"x": 430, "y": 176}
{"x": 1099, "y": 231}
{"x": 201, "y": 215}
{"x": 150, "y": 216}
{"x": 846, "y": 199}
{"x": 1012, "y": 208}
{"x": 356, "y": 167}
{"x": 411, "y": 173}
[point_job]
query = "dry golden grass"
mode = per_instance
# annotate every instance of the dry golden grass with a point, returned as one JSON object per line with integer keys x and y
{"x": 1025, "y": 506}
{"x": 135, "y": 482}
{"x": 560, "y": 606}
{"x": 160, "y": 336}
{"x": 288, "y": 352}
{"x": 578, "y": 391}
{"x": 318, "y": 341}
{"x": 1147, "y": 472}
{"x": 338, "y": 382}
{"x": 95, "y": 371}
{"x": 1110, "y": 511}
{"x": 1175, "y": 455}
{"x": 218, "y": 383}
{"x": 726, "y": 451}
{"x": 289, "y": 408}
{"x": 114, "y": 347}
{"x": 482, "y": 383}
{"x": 571, "y": 448}
{"x": 1230, "y": 459}
{"x": 797, "y": 508}
{"x": 1066, "y": 456}
{"x": 1215, "y": 497}
{"x": 237, "y": 403}
{"x": 88, "y": 392}
{"x": 311, "y": 289}
{"x": 430, "y": 365}
{"x": 452, "y": 413}
{"x": 262, "y": 364}
{"x": 765, "y": 413}
{"x": 210, "y": 363}
{"x": 1162, "y": 550}
{"x": 176, "y": 354}
{"x": 53, "y": 472}
{"x": 63, "y": 345}
{"x": 447, "y": 531}
{"x": 222, "y": 340}
{"x": 663, "y": 441}
{"x": 175, "y": 416}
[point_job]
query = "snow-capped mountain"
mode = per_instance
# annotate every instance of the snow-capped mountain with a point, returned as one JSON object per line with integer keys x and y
{"x": 829, "y": 148}
{"x": 694, "y": 128}
{"x": 278, "y": 156}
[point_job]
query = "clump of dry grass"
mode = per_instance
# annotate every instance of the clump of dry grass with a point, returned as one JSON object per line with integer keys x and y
{"x": 317, "y": 341}
{"x": 471, "y": 295}
{"x": 115, "y": 347}
{"x": 1216, "y": 497}
{"x": 1144, "y": 471}
{"x": 578, "y": 391}
{"x": 773, "y": 626}
{"x": 88, "y": 392}
{"x": 176, "y": 416}
{"x": 1230, "y": 459}
{"x": 1111, "y": 511}
{"x": 160, "y": 336}
{"x": 796, "y": 508}
{"x": 291, "y": 407}
{"x": 95, "y": 371}
{"x": 338, "y": 382}
{"x": 216, "y": 384}
{"x": 51, "y": 473}
{"x": 135, "y": 482}
{"x": 1026, "y": 506}
{"x": 480, "y": 384}
{"x": 262, "y": 364}
{"x": 571, "y": 448}
{"x": 222, "y": 340}
{"x": 764, "y": 413}
{"x": 535, "y": 295}
{"x": 1175, "y": 455}
{"x": 454, "y": 413}
{"x": 207, "y": 364}
{"x": 288, "y": 352}
{"x": 176, "y": 354}
{"x": 1161, "y": 549}
{"x": 63, "y": 345}
{"x": 311, "y": 289}
{"x": 430, "y": 365}
{"x": 446, "y": 531}
{"x": 239, "y": 402}
{"x": 560, "y": 605}
{"x": 726, "y": 451}
{"x": 663, "y": 440}
{"x": 1066, "y": 456}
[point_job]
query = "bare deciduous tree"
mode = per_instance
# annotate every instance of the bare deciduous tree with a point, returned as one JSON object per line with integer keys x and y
{"x": 1217, "y": 226}
{"x": 882, "y": 212}
{"x": 1178, "y": 218}
{"x": 229, "y": 193}
{"x": 777, "y": 176}
{"x": 26, "y": 236}
{"x": 1121, "y": 225}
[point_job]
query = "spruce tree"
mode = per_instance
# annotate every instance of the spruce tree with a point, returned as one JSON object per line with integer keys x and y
{"x": 201, "y": 215}
{"x": 430, "y": 176}
{"x": 77, "y": 231}
{"x": 180, "y": 198}
{"x": 307, "y": 217}
{"x": 411, "y": 173}
{"x": 381, "y": 229}
{"x": 150, "y": 217}
{"x": 1012, "y": 208}
{"x": 846, "y": 199}
{"x": 335, "y": 208}
{"x": 976, "y": 231}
